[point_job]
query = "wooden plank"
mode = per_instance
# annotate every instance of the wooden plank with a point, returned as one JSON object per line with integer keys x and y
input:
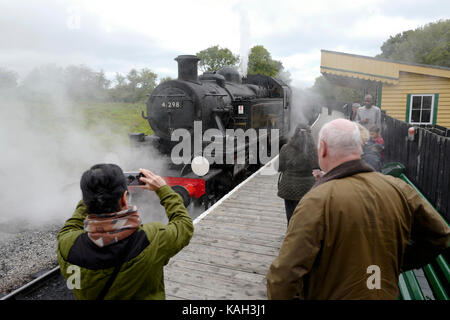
{"x": 444, "y": 172}
{"x": 446, "y": 183}
{"x": 241, "y": 238}
{"x": 274, "y": 211}
{"x": 212, "y": 270}
{"x": 280, "y": 218}
{"x": 430, "y": 161}
{"x": 226, "y": 253}
{"x": 426, "y": 152}
{"x": 169, "y": 297}
{"x": 215, "y": 260}
{"x": 248, "y": 228}
{"x": 235, "y": 245}
{"x": 434, "y": 168}
{"x": 422, "y": 158}
{"x": 247, "y": 222}
{"x": 222, "y": 286}
{"x": 192, "y": 292}
{"x": 218, "y": 229}
{"x": 251, "y": 211}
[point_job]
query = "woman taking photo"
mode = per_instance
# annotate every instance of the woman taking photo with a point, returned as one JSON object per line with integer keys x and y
{"x": 296, "y": 161}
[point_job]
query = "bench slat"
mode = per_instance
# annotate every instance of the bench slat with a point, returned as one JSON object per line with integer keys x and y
{"x": 434, "y": 282}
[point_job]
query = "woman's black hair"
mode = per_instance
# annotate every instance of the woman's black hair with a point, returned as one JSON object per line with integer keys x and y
{"x": 303, "y": 142}
{"x": 102, "y": 187}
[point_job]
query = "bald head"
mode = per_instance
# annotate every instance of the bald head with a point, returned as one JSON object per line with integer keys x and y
{"x": 339, "y": 141}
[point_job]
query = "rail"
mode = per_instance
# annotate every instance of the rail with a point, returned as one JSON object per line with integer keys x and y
{"x": 31, "y": 285}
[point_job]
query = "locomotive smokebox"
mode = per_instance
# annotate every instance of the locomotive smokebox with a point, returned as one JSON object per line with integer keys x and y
{"x": 187, "y": 67}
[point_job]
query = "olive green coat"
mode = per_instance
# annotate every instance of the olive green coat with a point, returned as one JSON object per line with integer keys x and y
{"x": 343, "y": 227}
{"x": 142, "y": 277}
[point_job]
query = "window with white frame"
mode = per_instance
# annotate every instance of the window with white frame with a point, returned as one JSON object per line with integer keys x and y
{"x": 421, "y": 109}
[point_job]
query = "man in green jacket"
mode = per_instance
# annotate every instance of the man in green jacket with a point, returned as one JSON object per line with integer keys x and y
{"x": 350, "y": 235}
{"x": 105, "y": 252}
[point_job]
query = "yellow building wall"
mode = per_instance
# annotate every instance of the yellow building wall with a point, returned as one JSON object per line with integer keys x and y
{"x": 394, "y": 97}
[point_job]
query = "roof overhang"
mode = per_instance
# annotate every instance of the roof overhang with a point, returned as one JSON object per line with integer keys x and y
{"x": 356, "y": 71}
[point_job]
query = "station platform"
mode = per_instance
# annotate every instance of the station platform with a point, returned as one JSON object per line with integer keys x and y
{"x": 234, "y": 241}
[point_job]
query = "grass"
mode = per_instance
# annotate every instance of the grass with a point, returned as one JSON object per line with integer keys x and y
{"x": 122, "y": 118}
{"x": 108, "y": 122}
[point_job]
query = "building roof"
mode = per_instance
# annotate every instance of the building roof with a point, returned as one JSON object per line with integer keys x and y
{"x": 340, "y": 64}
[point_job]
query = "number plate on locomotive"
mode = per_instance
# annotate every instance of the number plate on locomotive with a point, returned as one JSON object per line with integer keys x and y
{"x": 172, "y": 105}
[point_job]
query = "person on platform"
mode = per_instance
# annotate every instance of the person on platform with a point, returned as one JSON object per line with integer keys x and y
{"x": 297, "y": 159}
{"x": 105, "y": 245}
{"x": 375, "y": 136}
{"x": 371, "y": 153}
{"x": 355, "y": 107}
{"x": 355, "y": 231}
{"x": 369, "y": 115}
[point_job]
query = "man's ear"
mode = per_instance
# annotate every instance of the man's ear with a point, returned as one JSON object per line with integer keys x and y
{"x": 123, "y": 200}
{"x": 323, "y": 149}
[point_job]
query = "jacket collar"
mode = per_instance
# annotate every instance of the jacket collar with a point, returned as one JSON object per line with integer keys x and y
{"x": 343, "y": 170}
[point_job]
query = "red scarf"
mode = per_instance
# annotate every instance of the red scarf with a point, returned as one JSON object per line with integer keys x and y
{"x": 107, "y": 228}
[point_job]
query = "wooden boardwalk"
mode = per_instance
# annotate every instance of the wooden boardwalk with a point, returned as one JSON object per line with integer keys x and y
{"x": 232, "y": 247}
{"x": 234, "y": 243}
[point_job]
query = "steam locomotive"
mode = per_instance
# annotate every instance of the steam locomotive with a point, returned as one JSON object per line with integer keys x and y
{"x": 221, "y": 101}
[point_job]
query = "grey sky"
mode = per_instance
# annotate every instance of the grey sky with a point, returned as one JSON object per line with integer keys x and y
{"x": 119, "y": 35}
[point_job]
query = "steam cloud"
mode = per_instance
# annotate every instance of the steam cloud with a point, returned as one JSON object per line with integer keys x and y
{"x": 244, "y": 48}
{"x": 45, "y": 149}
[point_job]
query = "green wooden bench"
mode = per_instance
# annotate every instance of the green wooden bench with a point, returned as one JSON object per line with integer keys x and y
{"x": 437, "y": 274}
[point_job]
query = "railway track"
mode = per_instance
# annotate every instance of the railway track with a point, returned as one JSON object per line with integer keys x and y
{"x": 29, "y": 290}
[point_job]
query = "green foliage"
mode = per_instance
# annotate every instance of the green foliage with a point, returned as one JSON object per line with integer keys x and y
{"x": 76, "y": 83}
{"x": 331, "y": 92}
{"x": 134, "y": 87}
{"x": 261, "y": 62}
{"x": 84, "y": 84}
{"x": 164, "y": 79}
{"x": 214, "y": 58}
{"x": 429, "y": 44}
{"x": 8, "y": 79}
{"x": 122, "y": 118}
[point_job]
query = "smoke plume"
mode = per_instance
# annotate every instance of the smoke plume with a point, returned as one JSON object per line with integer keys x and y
{"x": 244, "y": 47}
{"x": 45, "y": 149}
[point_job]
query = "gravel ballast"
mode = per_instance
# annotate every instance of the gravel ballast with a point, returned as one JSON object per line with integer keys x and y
{"x": 24, "y": 251}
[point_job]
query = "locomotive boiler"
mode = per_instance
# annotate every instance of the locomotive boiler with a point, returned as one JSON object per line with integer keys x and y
{"x": 222, "y": 101}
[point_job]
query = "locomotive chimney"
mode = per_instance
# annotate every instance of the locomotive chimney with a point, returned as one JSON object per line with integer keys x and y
{"x": 187, "y": 67}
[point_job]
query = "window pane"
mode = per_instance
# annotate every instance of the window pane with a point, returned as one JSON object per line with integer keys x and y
{"x": 426, "y": 115}
{"x": 426, "y": 104}
{"x": 416, "y": 102}
{"x": 415, "y": 116}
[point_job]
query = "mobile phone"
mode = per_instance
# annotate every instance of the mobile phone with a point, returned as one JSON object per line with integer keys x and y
{"x": 132, "y": 178}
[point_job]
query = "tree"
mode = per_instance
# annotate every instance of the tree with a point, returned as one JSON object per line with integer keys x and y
{"x": 429, "y": 44}
{"x": 261, "y": 62}
{"x": 45, "y": 84}
{"x": 214, "y": 58}
{"x": 164, "y": 79}
{"x": 133, "y": 87}
{"x": 8, "y": 79}
{"x": 146, "y": 83}
{"x": 84, "y": 84}
{"x": 331, "y": 92}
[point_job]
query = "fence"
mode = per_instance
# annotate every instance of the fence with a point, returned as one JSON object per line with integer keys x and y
{"x": 426, "y": 158}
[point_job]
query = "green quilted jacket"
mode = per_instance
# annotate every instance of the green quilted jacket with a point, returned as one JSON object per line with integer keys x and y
{"x": 87, "y": 267}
